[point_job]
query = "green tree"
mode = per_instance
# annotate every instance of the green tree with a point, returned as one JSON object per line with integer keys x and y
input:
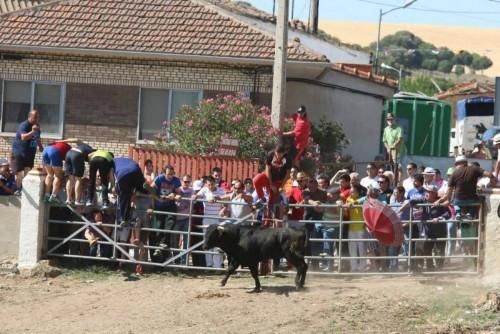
{"x": 430, "y": 64}
{"x": 445, "y": 66}
{"x": 464, "y": 58}
{"x": 423, "y": 84}
{"x": 481, "y": 63}
{"x": 459, "y": 70}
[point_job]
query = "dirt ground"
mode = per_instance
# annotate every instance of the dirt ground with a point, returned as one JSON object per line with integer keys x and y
{"x": 94, "y": 302}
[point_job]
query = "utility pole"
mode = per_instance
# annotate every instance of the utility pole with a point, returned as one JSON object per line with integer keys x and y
{"x": 313, "y": 16}
{"x": 279, "y": 70}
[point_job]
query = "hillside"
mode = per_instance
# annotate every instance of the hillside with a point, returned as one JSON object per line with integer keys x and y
{"x": 483, "y": 41}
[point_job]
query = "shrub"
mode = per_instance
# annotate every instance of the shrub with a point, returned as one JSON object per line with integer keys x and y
{"x": 200, "y": 129}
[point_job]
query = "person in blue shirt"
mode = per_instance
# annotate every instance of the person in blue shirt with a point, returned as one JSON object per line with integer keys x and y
{"x": 7, "y": 180}
{"x": 24, "y": 146}
{"x": 416, "y": 196}
{"x": 128, "y": 179}
{"x": 166, "y": 187}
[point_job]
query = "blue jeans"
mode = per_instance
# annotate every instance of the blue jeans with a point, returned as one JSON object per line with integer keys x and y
{"x": 393, "y": 251}
{"x": 452, "y": 233}
{"x": 181, "y": 225}
{"x": 317, "y": 233}
{"x": 464, "y": 206}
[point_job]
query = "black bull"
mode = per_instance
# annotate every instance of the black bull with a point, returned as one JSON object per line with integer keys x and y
{"x": 247, "y": 246}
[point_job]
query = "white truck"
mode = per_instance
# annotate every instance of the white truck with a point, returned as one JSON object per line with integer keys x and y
{"x": 473, "y": 117}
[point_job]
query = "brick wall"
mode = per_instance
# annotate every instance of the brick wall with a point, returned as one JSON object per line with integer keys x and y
{"x": 102, "y": 94}
{"x": 144, "y": 73}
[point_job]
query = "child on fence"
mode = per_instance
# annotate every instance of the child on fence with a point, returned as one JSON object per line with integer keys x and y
{"x": 356, "y": 230}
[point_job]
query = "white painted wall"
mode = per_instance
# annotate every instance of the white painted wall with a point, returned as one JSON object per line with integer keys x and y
{"x": 10, "y": 213}
{"x": 360, "y": 115}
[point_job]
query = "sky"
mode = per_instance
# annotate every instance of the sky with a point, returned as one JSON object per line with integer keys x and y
{"x": 473, "y": 13}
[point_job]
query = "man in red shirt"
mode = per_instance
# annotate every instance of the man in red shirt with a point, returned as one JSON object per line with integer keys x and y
{"x": 301, "y": 132}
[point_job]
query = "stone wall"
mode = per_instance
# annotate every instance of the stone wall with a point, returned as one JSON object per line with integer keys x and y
{"x": 491, "y": 238}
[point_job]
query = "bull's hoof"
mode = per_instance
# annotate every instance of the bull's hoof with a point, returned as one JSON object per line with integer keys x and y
{"x": 256, "y": 290}
{"x": 223, "y": 283}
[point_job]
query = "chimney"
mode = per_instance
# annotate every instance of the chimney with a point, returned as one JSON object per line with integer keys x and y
{"x": 313, "y": 16}
{"x": 496, "y": 117}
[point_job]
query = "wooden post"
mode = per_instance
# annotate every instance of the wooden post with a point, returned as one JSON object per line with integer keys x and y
{"x": 280, "y": 56}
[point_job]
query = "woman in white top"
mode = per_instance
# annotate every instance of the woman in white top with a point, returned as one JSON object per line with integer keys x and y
{"x": 211, "y": 193}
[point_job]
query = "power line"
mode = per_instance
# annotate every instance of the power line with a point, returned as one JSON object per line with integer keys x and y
{"x": 430, "y": 10}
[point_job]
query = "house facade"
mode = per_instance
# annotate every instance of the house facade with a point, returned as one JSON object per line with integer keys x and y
{"x": 111, "y": 72}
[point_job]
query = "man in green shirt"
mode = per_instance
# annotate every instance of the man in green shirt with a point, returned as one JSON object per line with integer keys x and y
{"x": 393, "y": 139}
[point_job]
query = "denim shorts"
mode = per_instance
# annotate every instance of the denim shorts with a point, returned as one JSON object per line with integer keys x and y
{"x": 52, "y": 157}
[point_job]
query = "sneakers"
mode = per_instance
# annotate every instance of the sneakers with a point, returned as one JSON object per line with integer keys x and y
{"x": 79, "y": 203}
{"x": 106, "y": 205}
{"x": 17, "y": 192}
{"x": 89, "y": 203}
{"x": 139, "y": 270}
{"x": 53, "y": 198}
{"x": 68, "y": 202}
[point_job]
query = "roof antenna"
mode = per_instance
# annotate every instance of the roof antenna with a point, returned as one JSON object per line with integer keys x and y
{"x": 274, "y": 8}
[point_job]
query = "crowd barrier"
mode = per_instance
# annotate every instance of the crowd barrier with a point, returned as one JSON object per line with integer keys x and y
{"x": 328, "y": 250}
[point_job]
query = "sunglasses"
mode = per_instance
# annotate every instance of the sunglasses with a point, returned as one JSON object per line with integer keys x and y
{"x": 186, "y": 181}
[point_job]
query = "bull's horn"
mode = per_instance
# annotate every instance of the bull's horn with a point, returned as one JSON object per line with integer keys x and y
{"x": 220, "y": 228}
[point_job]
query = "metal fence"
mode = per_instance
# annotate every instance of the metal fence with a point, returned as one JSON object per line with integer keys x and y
{"x": 330, "y": 250}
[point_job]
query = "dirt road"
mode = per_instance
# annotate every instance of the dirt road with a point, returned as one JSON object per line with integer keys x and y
{"x": 114, "y": 303}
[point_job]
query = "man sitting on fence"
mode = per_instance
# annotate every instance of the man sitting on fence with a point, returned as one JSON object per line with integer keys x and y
{"x": 462, "y": 187}
{"x": 277, "y": 172}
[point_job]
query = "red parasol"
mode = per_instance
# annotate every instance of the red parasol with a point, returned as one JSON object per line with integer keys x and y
{"x": 383, "y": 222}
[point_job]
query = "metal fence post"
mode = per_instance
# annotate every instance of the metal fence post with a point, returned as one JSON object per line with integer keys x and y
{"x": 410, "y": 227}
{"x": 339, "y": 255}
{"x": 190, "y": 219}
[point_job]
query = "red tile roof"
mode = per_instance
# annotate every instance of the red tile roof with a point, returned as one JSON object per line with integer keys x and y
{"x": 7, "y": 6}
{"x": 365, "y": 72}
{"x": 472, "y": 87}
{"x": 179, "y": 27}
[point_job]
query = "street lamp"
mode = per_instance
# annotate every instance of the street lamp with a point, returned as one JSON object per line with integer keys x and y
{"x": 407, "y": 4}
{"x": 400, "y": 72}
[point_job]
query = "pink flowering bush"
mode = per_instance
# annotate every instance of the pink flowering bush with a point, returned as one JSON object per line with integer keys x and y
{"x": 200, "y": 129}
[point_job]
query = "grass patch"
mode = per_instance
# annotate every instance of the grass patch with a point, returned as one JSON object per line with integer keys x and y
{"x": 95, "y": 273}
{"x": 459, "y": 310}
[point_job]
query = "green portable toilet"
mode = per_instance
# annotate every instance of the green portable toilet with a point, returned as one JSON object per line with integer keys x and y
{"x": 426, "y": 123}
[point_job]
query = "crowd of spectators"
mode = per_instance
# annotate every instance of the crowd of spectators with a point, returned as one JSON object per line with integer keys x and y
{"x": 115, "y": 193}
